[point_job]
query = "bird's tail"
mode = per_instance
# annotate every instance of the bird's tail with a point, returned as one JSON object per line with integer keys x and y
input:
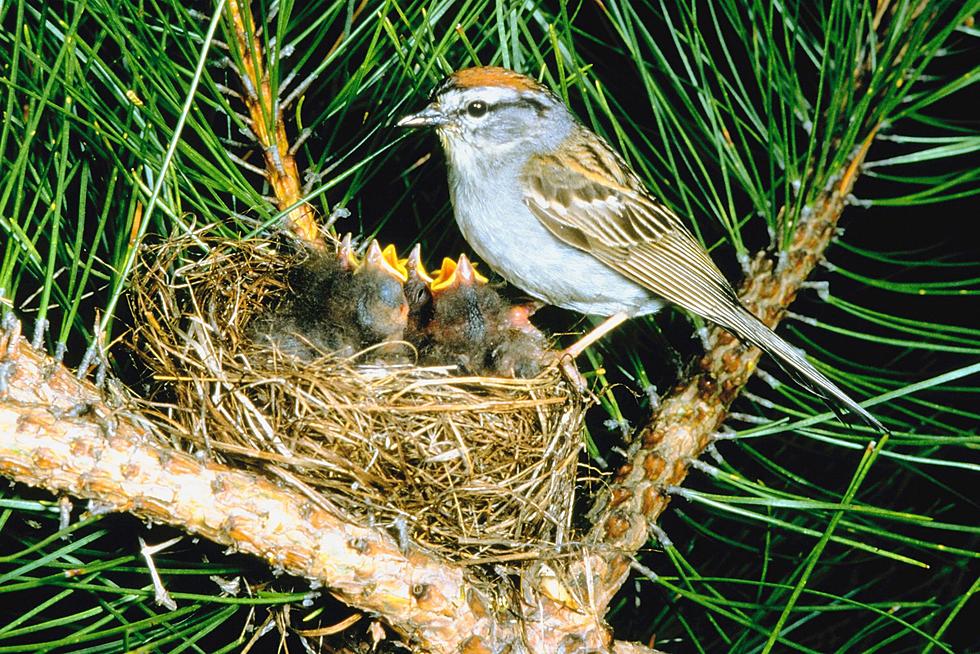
{"x": 740, "y": 321}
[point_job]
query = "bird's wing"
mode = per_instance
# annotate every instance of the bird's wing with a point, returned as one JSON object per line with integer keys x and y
{"x": 591, "y": 200}
{"x": 588, "y": 198}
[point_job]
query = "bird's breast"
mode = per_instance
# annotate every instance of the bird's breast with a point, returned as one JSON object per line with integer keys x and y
{"x": 496, "y": 223}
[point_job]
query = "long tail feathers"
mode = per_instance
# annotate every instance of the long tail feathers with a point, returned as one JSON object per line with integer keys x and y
{"x": 748, "y": 327}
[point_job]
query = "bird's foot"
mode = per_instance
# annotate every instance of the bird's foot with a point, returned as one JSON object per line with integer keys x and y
{"x": 568, "y": 368}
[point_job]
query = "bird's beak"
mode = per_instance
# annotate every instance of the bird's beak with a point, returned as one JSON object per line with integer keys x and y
{"x": 431, "y": 116}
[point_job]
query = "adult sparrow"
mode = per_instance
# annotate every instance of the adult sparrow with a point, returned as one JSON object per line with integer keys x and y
{"x": 552, "y": 208}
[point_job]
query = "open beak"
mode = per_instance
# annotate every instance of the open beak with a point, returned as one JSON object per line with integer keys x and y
{"x": 431, "y": 116}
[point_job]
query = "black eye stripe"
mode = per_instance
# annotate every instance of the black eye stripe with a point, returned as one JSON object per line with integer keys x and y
{"x": 533, "y": 103}
{"x": 524, "y": 103}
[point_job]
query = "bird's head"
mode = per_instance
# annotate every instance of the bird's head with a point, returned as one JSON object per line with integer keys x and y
{"x": 381, "y": 310}
{"x": 491, "y": 112}
{"x": 454, "y": 275}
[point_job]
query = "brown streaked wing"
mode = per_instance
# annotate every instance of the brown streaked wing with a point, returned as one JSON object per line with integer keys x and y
{"x": 592, "y": 201}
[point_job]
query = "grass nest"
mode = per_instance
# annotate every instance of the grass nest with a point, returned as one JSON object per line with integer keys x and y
{"x": 478, "y": 469}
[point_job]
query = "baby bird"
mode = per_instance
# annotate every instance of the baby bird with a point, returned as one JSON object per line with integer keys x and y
{"x": 340, "y": 305}
{"x": 464, "y": 316}
{"x": 418, "y": 295}
{"x": 303, "y": 326}
{"x": 521, "y": 349}
{"x": 473, "y": 327}
{"x": 379, "y": 310}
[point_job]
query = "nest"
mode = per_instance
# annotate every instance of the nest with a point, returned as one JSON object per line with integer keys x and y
{"x": 478, "y": 469}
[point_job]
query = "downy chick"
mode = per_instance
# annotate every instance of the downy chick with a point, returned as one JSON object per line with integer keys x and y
{"x": 379, "y": 309}
{"x": 521, "y": 349}
{"x": 465, "y": 310}
{"x": 340, "y": 305}
{"x": 418, "y": 295}
{"x": 307, "y": 325}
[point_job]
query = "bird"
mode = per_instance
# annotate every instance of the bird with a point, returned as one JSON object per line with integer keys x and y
{"x": 553, "y": 209}
{"x": 521, "y": 349}
{"x": 465, "y": 310}
{"x": 417, "y": 294}
{"x": 339, "y": 305}
{"x": 305, "y": 325}
{"x": 471, "y": 325}
{"x": 379, "y": 308}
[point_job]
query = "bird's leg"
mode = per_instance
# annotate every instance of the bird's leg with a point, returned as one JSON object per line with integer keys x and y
{"x": 568, "y": 355}
{"x": 609, "y": 324}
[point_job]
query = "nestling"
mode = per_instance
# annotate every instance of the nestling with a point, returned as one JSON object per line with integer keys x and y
{"x": 417, "y": 294}
{"x": 464, "y": 313}
{"x": 304, "y": 326}
{"x": 521, "y": 349}
{"x": 552, "y": 208}
{"x": 340, "y": 305}
{"x": 380, "y": 309}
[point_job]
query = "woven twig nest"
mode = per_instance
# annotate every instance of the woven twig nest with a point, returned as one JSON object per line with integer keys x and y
{"x": 476, "y": 468}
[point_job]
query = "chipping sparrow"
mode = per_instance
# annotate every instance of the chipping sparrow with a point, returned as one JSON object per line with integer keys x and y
{"x": 522, "y": 350}
{"x": 463, "y": 315}
{"x": 339, "y": 305}
{"x": 555, "y": 211}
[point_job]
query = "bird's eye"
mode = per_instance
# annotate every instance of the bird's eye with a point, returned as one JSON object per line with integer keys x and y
{"x": 477, "y": 109}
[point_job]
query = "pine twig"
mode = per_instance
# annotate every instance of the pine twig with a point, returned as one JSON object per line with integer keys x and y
{"x": 269, "y": 127}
